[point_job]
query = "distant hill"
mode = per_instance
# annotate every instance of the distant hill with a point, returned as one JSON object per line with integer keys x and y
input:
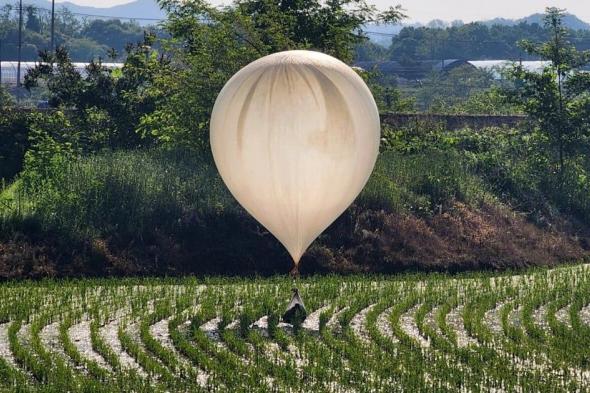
{"x": 381, "y": 33}
{"x": 570, "y": 21}
{"x": 138, "y": 9}
{"x": 145, "y": 11}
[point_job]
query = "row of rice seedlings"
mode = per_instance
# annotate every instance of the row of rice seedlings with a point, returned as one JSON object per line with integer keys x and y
{"x": 336, "y": 359}
{"x": 14, "y": 378}
{"x": 129, "y": 376}
{"x": 401, "y": 362}
{"x": 498, "y": 368}
{"x": 314, "y": 362}
{"x": 528, "y": 341}
{"x": 500, "y": 350}
{"x": 476, "y": 367}
{"x": 70, "y": 349}
{"x": 457, "y": 377}
{"x": 367, "y": 368}
{"x": 156, "y": 371}
{"x": 252, "y": 375}
{"x": 442, "y": 369}
{"x": 168, "y": 357}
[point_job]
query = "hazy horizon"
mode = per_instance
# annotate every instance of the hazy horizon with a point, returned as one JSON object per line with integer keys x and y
{"x": 427, "y": 10}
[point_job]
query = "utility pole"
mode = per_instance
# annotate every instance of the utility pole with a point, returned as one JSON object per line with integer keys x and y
{"x": 52, "y": 25}
{"x": 0, "y": 62}
{"x": 20, "y": 44}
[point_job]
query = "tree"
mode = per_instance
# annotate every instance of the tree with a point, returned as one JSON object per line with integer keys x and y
{"x": 557, "y": 99}
{"x": 332, "y": 27}
{"x": 85, "y": 40}
{"x": 442, "y": 90}
{"x": 6, "y": 22}
{"x": 5, "y": 98}
{"x": 13, "y": 142}
{"x": 473, "y": 41}
{"x": 66, "y": 24}
{"x": 33, "y": 21}
{"x": 108, "y": 102}
{"x": 211, "y": 44}
{"x": 112, "y": 33}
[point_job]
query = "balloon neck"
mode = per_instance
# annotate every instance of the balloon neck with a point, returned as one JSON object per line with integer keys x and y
{"x": 294, "y": 273}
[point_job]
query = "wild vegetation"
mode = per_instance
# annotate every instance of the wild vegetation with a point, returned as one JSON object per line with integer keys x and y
{"x": 435, "y": 201}
{"x": 120, "y": 175}
{"x": 117, "y": 179}
{"x": 525, "y": 332}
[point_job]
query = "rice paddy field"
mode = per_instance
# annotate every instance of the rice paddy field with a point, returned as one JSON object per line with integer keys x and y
{"x": 527, "y": 332}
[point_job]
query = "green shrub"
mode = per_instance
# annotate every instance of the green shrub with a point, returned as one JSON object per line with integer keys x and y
{"x": 13, "y": 142}
{"x": 421, "y": 183}
{"x": 53, "y": 142}
{"x": 128, "y": 193}
{"x": 246, "y": 319}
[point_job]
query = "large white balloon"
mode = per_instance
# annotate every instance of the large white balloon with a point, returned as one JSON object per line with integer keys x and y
{"x": 295, "y": 136}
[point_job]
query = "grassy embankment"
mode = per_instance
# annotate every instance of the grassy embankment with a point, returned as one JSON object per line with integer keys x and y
{"x": 465, "y": 200}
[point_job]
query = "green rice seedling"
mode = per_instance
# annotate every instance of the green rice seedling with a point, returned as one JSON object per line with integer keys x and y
{"x": 476, "y": 332}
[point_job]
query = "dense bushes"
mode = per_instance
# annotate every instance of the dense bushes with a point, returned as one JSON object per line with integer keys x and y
{"x": 167, "y": 212}
{"x": 99, "y": 195}
{"x": 128, "y": 193}
{"x": 13, "y": 142}
{"x": 511, "y": 165}
{"x": 423, "y": 183}
{"x": 436, "y": 200}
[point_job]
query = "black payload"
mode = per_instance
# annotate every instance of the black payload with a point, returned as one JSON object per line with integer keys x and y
{"x": 295, "y": 313}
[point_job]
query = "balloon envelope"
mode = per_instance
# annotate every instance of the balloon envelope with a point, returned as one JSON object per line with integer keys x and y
{"x": 295, "y": 136}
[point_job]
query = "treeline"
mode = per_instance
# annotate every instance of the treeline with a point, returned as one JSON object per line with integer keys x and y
{"x": 85, "y": 39}
{"x": 473, "y": 41}
{"x": 161, "y": 98}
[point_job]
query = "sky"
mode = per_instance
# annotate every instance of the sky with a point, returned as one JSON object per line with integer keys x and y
{"x": 448, "y": 10}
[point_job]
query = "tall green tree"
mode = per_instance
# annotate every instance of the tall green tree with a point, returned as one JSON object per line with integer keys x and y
{"x": 210, "y": 44}
{"x": 33, "y": 20}
{"x": 112, "y": 33}
{"x": 106, "y": 103}
{"x": 557, "y": 99}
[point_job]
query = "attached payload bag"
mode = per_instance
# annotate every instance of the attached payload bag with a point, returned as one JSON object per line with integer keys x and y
{"x": 295, "y": 313}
